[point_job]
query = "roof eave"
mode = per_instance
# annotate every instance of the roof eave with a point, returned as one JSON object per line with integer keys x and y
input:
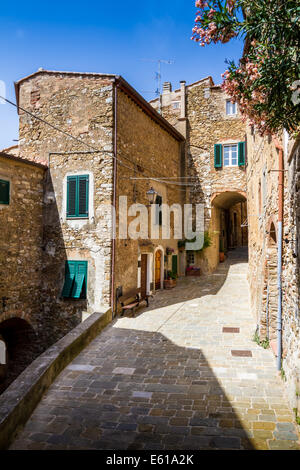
{"x": 23, "y": 160}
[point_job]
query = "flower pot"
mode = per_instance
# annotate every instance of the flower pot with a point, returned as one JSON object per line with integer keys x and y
{"x": 222, "y": 257}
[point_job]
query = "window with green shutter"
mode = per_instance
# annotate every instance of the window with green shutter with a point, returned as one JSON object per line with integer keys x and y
{"x": 4, "y": 192}
{"x": 78, "y": 196}
{"x": 242, "y": 153}
{"x": 75, "y": 280}
{"x": 218, "y": 155}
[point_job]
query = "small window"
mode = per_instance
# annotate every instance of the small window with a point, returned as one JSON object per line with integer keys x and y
{"x": 75, "y": 280}
{"x": 230, "y": 155}
{"x": 230, "y": 108}
{"x": 191, "y": 258}
{"x": 176, "y": 105}
{"x": 78, "y": 196}
{"x": 4, "y": 192}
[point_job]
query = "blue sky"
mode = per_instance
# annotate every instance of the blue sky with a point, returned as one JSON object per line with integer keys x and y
{"x": 109, "y": 37}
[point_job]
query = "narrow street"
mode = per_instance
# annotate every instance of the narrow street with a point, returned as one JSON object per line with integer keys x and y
{"x": 171, "y": 378}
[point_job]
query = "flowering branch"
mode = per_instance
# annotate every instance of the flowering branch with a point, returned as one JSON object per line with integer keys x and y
{"x": 263, "y": 82}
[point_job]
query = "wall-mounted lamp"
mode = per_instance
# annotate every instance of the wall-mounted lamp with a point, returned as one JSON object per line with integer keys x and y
{"x": 151, "y": 195}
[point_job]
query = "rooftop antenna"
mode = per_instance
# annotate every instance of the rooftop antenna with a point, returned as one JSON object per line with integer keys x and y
{"x": 158, "y": 77}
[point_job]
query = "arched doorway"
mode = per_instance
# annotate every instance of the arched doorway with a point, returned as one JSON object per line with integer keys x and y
{"x": 231, "y": 211}
{"x": 21, "y": 347}
{"x": 159, "y": 269}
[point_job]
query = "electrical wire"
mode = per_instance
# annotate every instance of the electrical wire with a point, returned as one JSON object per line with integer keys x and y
{"x": 85, "y": 143}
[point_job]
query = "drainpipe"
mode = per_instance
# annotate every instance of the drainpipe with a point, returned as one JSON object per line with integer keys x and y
{"x": 279, "y": 245}
{"x": 115, "y": 164}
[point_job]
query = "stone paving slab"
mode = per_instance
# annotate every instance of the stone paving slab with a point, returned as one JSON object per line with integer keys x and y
{"x": 167, "y": 379}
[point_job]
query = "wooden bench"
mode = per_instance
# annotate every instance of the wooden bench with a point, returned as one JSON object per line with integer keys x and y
{"x": 132, "y": 300}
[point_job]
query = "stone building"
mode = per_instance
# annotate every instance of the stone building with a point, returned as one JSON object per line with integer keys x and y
{"x": 21, "y": 242}
{"x": 215, "y": 162}
{"x": 263, "y": 202}
{"x": 100, "y": 140}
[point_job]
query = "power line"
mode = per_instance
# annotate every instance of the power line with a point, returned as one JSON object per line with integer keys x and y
{"x": 96, "y": 150}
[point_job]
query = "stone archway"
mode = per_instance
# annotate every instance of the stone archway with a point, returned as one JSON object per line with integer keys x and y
{"x": 21, "y": 347}
{"x": 230, "y": 208}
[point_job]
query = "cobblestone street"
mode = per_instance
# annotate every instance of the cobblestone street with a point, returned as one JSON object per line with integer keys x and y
{"x": 171, "y": 378}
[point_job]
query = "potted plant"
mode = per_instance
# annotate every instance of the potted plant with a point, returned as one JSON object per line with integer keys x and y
{"x": 170, "y": 280}
{"x": 221, "y": 252}
{"x": 169, "y": 251}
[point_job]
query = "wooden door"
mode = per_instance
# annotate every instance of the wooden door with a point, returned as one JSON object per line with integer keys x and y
{"x": 158, "y": 261}
{"x": 144, "y": 275}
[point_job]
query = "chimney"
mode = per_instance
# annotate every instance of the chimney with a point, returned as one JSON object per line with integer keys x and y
{"x": 167, "y": 88}
{"x": 183, "y": 100}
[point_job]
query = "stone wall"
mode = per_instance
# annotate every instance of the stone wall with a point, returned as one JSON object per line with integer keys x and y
{"x": 21, "y": 241}
{"x": 202, "y": 107}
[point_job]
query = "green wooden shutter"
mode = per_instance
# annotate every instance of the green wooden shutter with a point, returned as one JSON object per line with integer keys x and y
{"x": 70, "y": 272}
{"x": 71, "y": 196}
{"x": 218, "y": 155}
{"x": 83, "y": 196}
{"x": 174, "y": 264}
{"x": 241, "y": 147}
{"x": 79, "y": 287}
{"x": 4, "y": 192}
{"x": 158, "y": 203}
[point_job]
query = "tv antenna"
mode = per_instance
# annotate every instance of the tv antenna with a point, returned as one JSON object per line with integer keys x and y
{"x": 158, "y": 76}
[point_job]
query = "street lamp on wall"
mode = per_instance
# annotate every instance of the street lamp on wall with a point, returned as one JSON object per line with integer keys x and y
{"x": 151, "y": 195}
